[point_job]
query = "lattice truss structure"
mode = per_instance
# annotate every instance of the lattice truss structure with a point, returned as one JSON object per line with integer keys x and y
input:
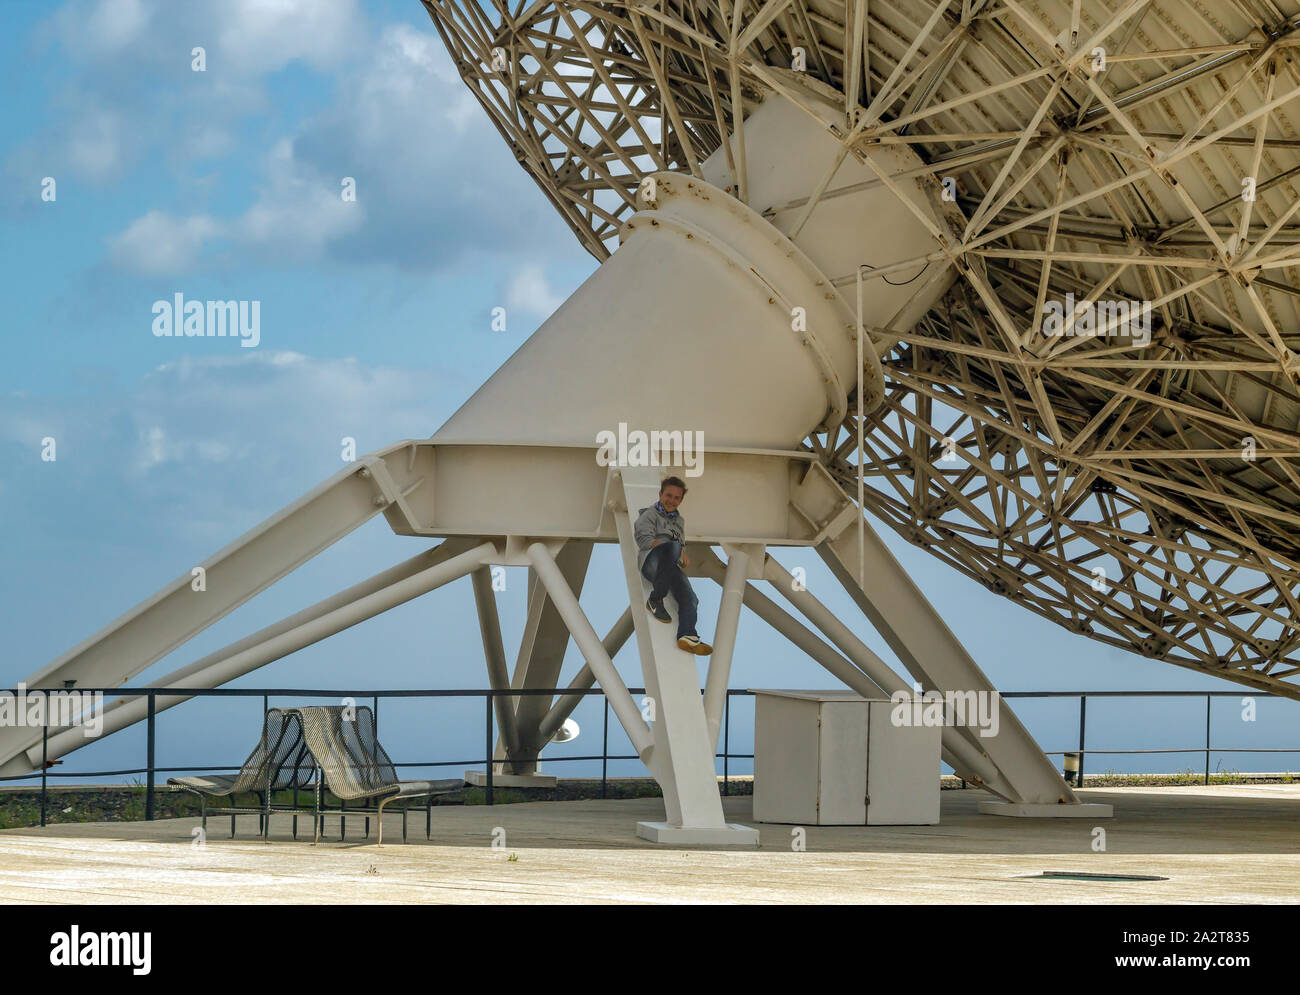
{"x": 1166, "y": 174}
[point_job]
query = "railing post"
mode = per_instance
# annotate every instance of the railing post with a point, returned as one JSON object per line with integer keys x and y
{"x": 726, "y": 744}
{"x": 1083, "y": 728}
{"x": 1208, "y": 699}
{"x": 487, "y": 698}
{"x": 45, "y": 759}
{"x": 149, "y": 789}
{"x": 604, "y": 751}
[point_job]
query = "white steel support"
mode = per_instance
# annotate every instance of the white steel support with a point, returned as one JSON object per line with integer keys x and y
{"x": 208, "y": 671}
{"x": 586, "y": 678}
{"x": 724, "y": 639}
{"x": 967, "y": 759}
{"x": 566, "y": 603}
{"x": 806, "y": 640}
{"x": 683, "y": 761}
{"x": 968, "y": 763}
{"x": 489, "y": 620}
{"x": 303, "y": 635}
{"x": 918, "y": 634}
{"x": 250, "y": 564}
{"x": 541, "y": 658}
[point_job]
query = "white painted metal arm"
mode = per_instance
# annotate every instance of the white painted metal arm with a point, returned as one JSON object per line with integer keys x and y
{"x": 970, "y": 762}
{"x": 967, "y": 762}
{"x": 724, "y": 639}
{"x": 247, "y": 566}
{"x": 282, "y": 644}
{"x": 920, "y": 637}
{"x": 620, "y": 699}
{"x": 618, "y": 634}
{"x": 489, "y": 621}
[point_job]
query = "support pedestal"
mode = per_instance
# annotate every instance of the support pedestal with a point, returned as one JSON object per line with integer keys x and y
{"x": 730, "y": 834}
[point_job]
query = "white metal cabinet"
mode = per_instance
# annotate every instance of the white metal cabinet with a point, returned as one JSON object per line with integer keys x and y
{"x": 832, "y": 758}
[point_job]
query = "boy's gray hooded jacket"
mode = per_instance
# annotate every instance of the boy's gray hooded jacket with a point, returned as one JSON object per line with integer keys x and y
{"x": 652, "y": 526}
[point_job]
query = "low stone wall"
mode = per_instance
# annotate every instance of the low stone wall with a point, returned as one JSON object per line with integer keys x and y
{"x": 21, "y": 806}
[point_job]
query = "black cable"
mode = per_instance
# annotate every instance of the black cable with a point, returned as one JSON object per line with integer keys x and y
{"x": 905, "y": 282}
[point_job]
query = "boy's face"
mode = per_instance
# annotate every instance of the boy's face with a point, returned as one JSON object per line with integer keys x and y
{"x": 671, "y": 496}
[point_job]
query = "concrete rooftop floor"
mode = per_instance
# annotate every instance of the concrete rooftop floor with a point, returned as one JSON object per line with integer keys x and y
{"x": 1229, "y": 844}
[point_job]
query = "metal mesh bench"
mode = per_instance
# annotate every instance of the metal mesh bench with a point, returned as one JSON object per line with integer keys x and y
{"x": 356, "y": 767}
{"x": 314, "y": 748}
{"x": 279, "y": 762}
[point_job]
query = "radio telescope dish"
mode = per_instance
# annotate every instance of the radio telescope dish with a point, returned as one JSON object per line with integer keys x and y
{"x": 1137, "y": 482}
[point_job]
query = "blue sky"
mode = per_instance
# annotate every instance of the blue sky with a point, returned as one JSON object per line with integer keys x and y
{"x": 375, "y": 324}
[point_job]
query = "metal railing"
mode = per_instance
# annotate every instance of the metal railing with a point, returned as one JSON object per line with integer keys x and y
{"x": 1207, "y": 749}
{"x": 489, "y": 696}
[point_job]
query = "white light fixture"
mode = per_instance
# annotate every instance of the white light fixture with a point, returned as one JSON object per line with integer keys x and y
{"x": 566, "y": 733}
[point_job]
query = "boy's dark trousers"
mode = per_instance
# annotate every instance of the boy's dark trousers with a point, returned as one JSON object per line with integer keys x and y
{"x": 661, "y": 570}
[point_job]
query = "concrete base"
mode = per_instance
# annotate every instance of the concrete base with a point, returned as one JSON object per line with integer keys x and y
{"x": 1218, "y": 844}
{"x": 478, "y": 778}
{"x": 1081, "y": 810}
{"x": 732, "y": 834}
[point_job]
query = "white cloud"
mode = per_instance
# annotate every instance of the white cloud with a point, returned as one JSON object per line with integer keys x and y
{"x": 413, "y": 66}
{"x": 293, "y": 220}
{"x": 298, "y": 212}
{"x": 160, "y": 244}
{"x": 246, "y": 38}
{"x": 126, "y": 93}
{"x": 92, "y": 146}
{"x": 205, "y": 140}
{"x": 260, "y": 36}
{"x": 434, "y": 181}
{"x": 433, "y": 176}
{"x": 109, "y": 25}
{"x": 212, "y": 444}
{"x": 155, "y": 448}
{"x": 529, "y": 291}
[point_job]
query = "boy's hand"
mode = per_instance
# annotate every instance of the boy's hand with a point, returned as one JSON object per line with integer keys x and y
{"x": 685, "y": 560}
